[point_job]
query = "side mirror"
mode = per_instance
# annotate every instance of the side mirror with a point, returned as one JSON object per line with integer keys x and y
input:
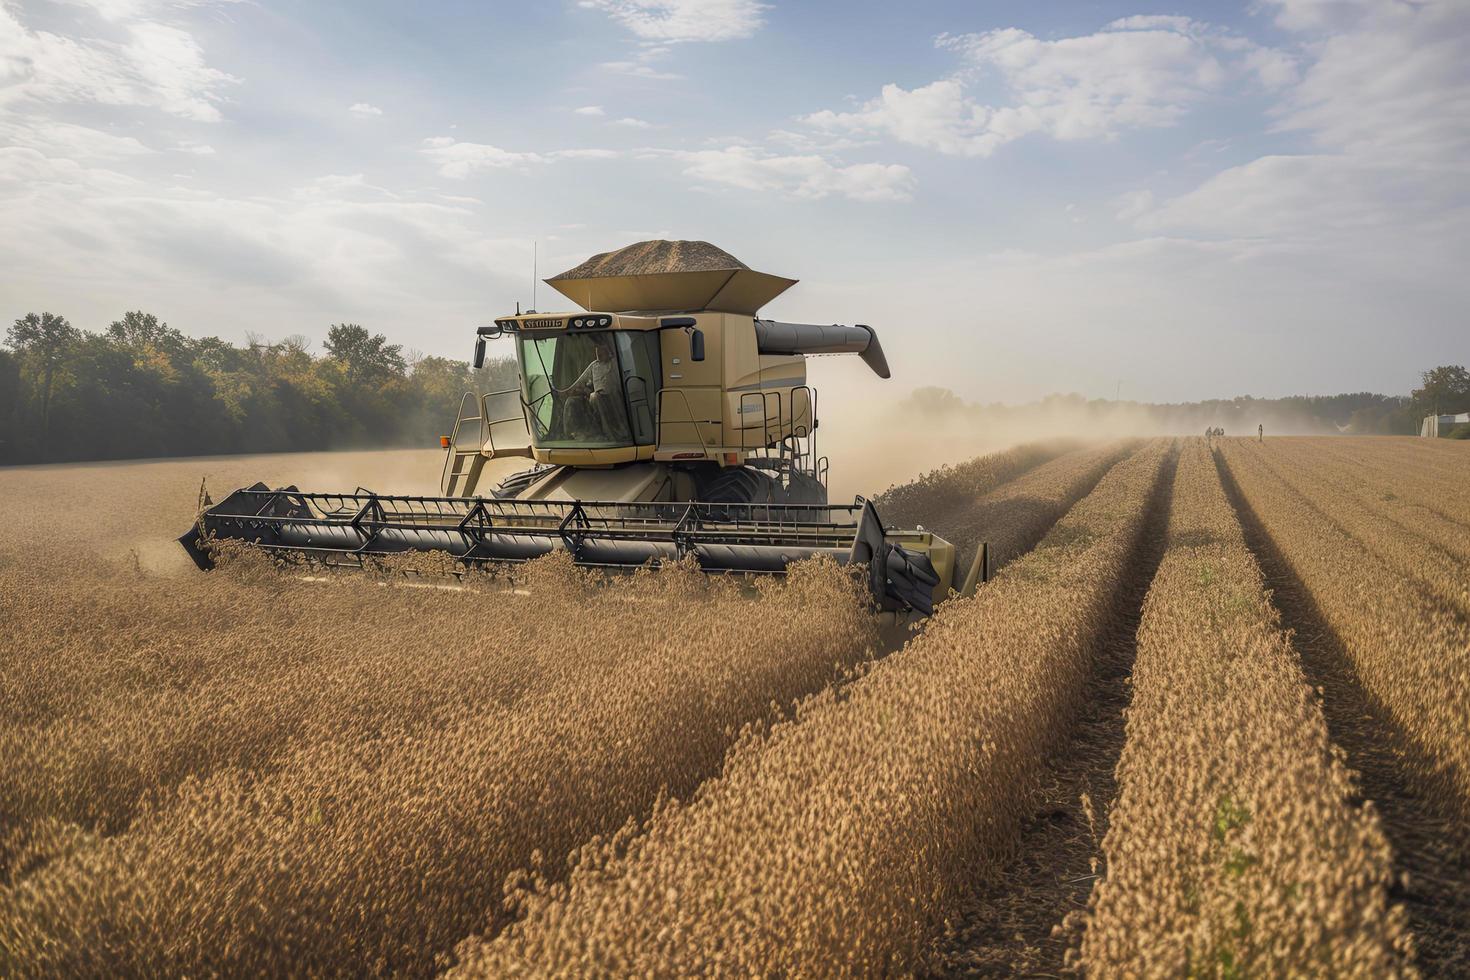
{"x": 696, "y": 345}
{"x": 479, "y": 353}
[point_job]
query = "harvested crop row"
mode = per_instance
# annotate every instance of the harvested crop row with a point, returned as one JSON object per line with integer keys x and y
{"x": 1399, "y": 551}
{"x": 282, "y": 663}
{"x": 931, "y": 499}
{"x": 377, "y": 855}
{"x": 1232, "y": 848}
{"x": 833, "y": 844}
{"x": 1410, "y": 654}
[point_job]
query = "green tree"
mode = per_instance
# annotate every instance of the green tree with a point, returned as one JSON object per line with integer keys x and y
{"x": 10, "y": 402}
{"x": 1445, "y": 391}
{"x": 44, "y": 339}
{"x": 366, "y": 358}
{"x": 140, "y": 331}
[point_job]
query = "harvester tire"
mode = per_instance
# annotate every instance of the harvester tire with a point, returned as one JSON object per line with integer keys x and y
{"x": 741, "y": 485}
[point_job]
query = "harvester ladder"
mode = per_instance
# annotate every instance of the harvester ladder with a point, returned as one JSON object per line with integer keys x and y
{"x": 462, "y": 464}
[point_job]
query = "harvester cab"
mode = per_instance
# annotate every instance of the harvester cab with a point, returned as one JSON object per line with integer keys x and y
{"x": 663, "y": 419}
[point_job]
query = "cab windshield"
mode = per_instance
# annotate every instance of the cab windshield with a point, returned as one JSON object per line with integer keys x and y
{"x": 590, "y": 390}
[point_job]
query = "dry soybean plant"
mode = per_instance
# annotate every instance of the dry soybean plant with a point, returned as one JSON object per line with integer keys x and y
{"x": 1408, "y": 650}
{"x": 833, "y": 844}
{"x": 1232, "y": 849}
{"x": 378, "y": 853}
{"x": 1440, "y": 466}
{"x": 1013, "y": 517}
{"x": 1396, "y": 544}
{"x": 120, "y": 689}
{"x": 1398, "y": 494}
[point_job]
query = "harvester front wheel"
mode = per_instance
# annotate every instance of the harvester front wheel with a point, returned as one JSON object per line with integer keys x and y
{"x": 740, "y": 485}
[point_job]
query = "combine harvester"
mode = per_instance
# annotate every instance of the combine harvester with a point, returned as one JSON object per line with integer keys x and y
{"x": 666, "y": 421}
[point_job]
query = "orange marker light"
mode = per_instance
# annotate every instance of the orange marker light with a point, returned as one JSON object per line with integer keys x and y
{"x": 443, "y": 442}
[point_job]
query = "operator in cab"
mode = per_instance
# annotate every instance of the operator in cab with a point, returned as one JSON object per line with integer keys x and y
{"x": 596, "y": 396}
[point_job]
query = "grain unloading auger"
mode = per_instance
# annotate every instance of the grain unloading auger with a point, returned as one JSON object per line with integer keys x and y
{"x": 668, "y": 421}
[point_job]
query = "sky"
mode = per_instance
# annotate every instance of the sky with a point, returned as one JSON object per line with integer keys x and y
{"x": 1168, "y": 201}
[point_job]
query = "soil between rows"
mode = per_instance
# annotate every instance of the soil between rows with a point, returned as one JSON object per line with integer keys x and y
{"x": 1016, "y": 923}
{"x": 1430, "y": 852}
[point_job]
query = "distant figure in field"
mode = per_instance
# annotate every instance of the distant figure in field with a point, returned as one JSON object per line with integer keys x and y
{"x": 1261, "y": 432}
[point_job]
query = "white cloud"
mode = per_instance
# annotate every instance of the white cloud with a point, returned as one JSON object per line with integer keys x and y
{"x": 1139, "y": 72}
{"x": 344, "y": 186}
{"x": 1154, "y": 22}
{"x": 590, "y": 110}
{"x": 639, "y": 69}
{"x": 631, "y": 123}
{"x": 60, "y": 139}
{"x": 460, "y": 160}
{"x": 673, "y": 21}
{"x": 197, "y": 149}
{"x": 583, "y": 154}
{"x": 1397, "y": 82}
{"x": 938, "y": 116}
{"x": 364, "y": 110}
{"x": 1133, "y": 204}
{"x": 115, "y": 10}
{"x": 1298, "y": 15}
{"x": 1312, "y": 197}
{"x": 334, "y": 248}
{"x": 804, "y": 176}
{"x": 803, "y": 142}
{"x": 1383, "y": 100}
{"x": 155, "y": 65}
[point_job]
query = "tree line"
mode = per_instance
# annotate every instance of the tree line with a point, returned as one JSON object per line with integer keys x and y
{"x": 142, "y": 388}
{"x": 1443, "y": 390}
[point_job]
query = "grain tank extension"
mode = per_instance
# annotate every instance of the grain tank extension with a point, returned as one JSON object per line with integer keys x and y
{"x": 664, "y": 419}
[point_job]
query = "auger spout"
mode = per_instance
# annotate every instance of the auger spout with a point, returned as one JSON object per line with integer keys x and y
{"x": 775, "y": 337}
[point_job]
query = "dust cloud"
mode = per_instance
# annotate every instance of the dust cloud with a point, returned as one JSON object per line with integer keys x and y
{"x": 128, "y": 514}
{"x": 876, "y": 444}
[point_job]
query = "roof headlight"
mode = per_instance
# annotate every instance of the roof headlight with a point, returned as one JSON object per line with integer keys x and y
{"x": 577, "y": 322}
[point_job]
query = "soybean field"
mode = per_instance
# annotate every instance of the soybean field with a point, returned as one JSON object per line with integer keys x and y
{"x": 1209, "y": 717}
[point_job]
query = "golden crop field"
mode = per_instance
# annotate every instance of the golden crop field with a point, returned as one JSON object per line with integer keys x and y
{"x": 1210, "y": 717}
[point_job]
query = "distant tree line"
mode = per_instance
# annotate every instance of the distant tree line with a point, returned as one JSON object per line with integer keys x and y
{"x": 1443, "y": 390}
{"x": 142, "y": 388}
